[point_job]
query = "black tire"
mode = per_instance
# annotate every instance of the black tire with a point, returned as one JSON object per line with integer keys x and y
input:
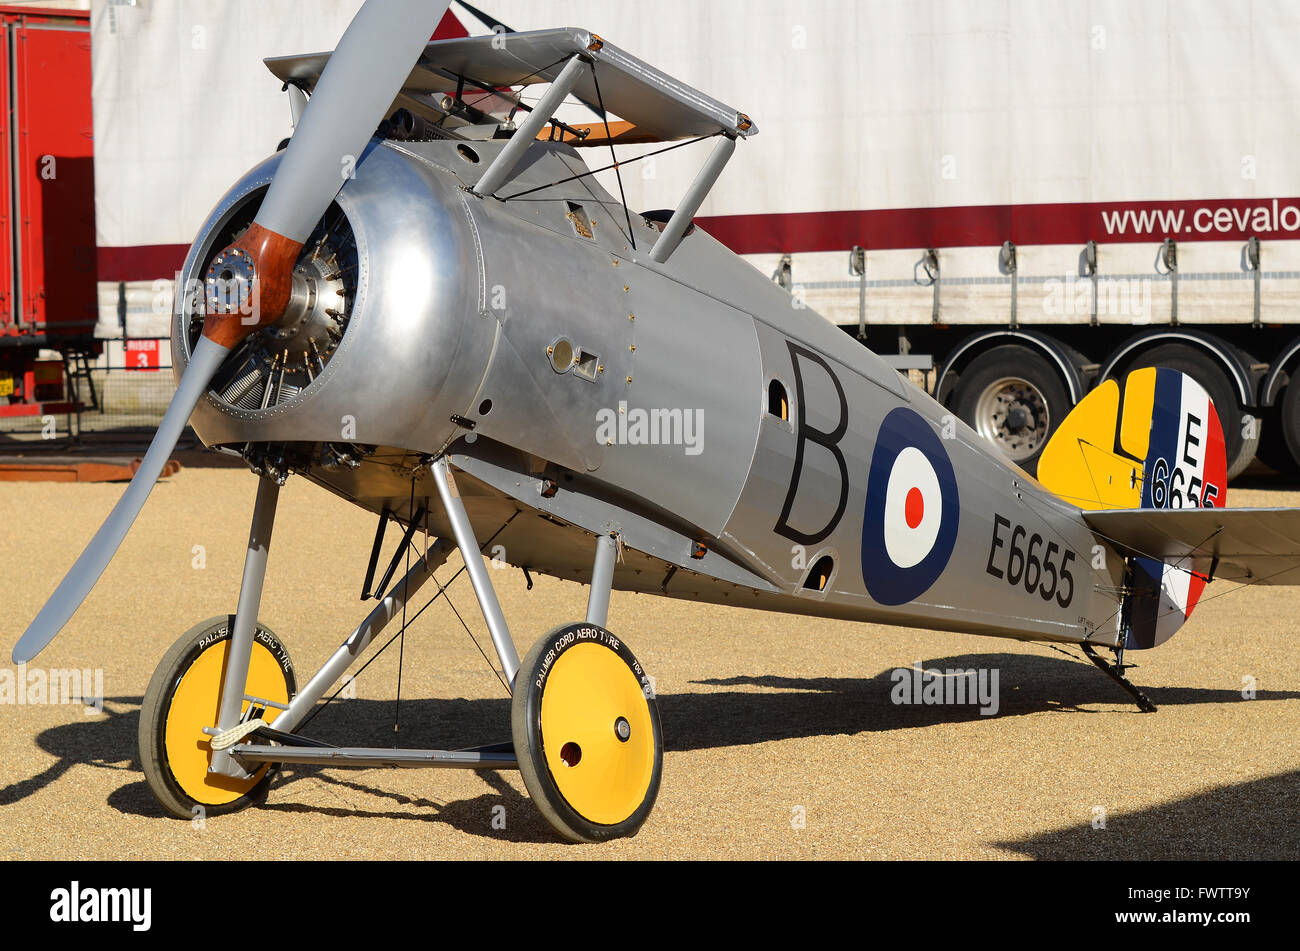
{"x": 1015, "y": 398}
{"x": 167, "y": 679}
{"x": 536, "y": 675}
{"x": 1274, "y": 445}
{"x": 1289, "y": 422}
{"x": 1205, "y": 370}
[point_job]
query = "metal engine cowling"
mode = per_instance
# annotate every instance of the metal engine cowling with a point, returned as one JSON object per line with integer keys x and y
{"x": 381, "y": 343}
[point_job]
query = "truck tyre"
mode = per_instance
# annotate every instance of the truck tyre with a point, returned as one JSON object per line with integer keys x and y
{"x": 1288, "y": 420}
{"x": 1241, "y": 428}
{"x": 1275, "y": 443}
{"x": 1014, "y": 398}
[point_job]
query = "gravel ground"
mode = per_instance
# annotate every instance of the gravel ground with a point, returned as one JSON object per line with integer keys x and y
{"x": 781, "y": 740}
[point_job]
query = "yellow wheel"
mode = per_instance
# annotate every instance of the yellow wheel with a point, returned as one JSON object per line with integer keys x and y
{"x": 586, "y": 733}
{"x": 183, "y": 698}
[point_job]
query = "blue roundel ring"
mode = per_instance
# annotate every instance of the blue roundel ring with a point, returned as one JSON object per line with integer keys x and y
{"x": 887, "y": 582}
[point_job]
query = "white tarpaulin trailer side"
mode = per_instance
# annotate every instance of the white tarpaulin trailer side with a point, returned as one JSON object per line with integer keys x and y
{"x": 1051, "y": 122}
{"x": 899, "y": 125}
{"x": 183, "y": 106}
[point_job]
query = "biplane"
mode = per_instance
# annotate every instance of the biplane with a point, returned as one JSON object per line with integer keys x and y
{"x": 427, "y": 305}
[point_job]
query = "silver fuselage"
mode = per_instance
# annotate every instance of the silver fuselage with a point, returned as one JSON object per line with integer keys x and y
{"x": 459, "y": 306}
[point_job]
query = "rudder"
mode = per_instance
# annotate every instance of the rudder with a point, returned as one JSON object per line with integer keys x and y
{"x": 1154, "y": 441}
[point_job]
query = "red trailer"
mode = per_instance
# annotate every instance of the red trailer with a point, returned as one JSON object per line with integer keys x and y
{"x": 48, "y": 298}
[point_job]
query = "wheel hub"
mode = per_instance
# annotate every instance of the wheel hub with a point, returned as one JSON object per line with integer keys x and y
{"x": 1012, "y": 413}
{"x": 603, "y": 773}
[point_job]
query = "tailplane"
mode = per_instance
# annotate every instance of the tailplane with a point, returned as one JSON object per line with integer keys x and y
{"x": 1152, "y": 442}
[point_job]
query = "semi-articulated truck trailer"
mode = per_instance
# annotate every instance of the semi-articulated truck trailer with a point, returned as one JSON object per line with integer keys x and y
{"x": 47, "y": 213}
{"x": 1015, "y": 199}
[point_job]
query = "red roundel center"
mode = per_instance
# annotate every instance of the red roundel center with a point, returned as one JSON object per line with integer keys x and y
{"x": 914, "y": 507}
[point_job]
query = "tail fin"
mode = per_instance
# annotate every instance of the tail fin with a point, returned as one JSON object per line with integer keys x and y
{"x": 1153, "y": 442}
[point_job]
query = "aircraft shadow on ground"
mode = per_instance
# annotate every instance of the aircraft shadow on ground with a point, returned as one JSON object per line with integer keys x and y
{"x": 780, "y": 708}
{"x": 1259, "y": 819}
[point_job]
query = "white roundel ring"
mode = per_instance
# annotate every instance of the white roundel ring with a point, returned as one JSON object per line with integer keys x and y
{"x": 909, "y": 526}
{"x": 913, "y": 508}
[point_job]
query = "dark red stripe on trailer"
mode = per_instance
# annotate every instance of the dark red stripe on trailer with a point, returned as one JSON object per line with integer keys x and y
{"x": 965, "y": 226}
{"x": 961, "y": 226}
{"x": 145, "y": 262}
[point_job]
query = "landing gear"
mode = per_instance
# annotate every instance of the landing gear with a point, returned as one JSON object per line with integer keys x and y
{"x": 586, "y": 733}
{"x": 223, "y": 709}
{"x": 182, "y": 699}
{"x": 1115, "y": 672}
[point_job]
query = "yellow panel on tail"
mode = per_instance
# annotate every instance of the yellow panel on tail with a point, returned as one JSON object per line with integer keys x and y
{"x": 1139, "y": 404}
{"x": 1081, "y": 463}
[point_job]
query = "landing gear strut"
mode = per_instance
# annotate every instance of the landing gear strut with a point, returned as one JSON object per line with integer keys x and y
{"x": 222, "y": 711}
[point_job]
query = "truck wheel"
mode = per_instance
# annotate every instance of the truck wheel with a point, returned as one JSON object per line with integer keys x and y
{"x": 1289, "y": 421}
{"x": 1014, "y": 398}
{"x": 1275, "y": 444}
{"x": 1240, "y": 435}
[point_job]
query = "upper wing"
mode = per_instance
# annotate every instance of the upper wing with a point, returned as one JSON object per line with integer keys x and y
{"x": 1258, "y": 546}
{"x": 662, "y": 108}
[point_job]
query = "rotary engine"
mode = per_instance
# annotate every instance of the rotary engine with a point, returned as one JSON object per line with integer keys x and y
{"x": 380, "y": 343}
{"x": 273, "y": 365}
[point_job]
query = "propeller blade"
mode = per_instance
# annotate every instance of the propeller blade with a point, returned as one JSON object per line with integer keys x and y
{"x": 76, "y": 584}
{"x": 360, "y": 81}
{"x": 363, "y": 77}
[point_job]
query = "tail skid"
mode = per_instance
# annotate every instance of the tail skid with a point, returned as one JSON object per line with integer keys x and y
{"x": 1115, "y": 672}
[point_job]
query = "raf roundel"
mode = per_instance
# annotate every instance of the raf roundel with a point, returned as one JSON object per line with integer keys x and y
{"x": 910, "y": 525}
